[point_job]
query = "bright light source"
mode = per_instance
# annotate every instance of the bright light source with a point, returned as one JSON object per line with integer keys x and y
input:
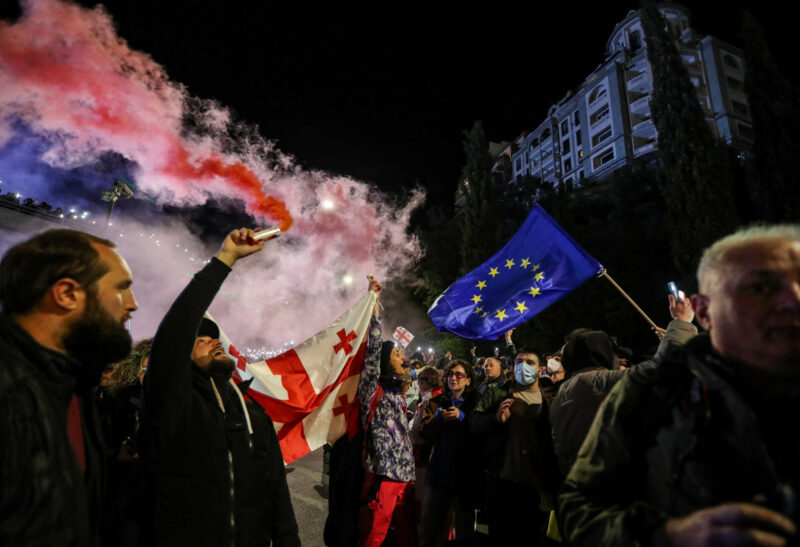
{"x": 327, "y": 204}
{"x": 347, "y": 279}
{"x": 430, "y": 350}
{"x": 419, "y": 348}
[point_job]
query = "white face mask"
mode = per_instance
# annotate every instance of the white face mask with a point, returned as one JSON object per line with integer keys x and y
{"x": 553, "y": 366}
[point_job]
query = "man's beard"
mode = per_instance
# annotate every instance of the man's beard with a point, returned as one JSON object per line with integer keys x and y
{"x": 96, "y": 339}
{"x": 222, "y": 366}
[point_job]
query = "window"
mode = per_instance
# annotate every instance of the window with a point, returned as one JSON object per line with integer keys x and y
{"x": 600, "y": 137}
{"x": 603, "y": 157}
{"x": 636, "y": 40}
{"x": 578, "y": 137}
{"x": 580, "y": 174}
{"x": 576, "y": 118}
{"x": 739, "y": 107}
{"x": 517, "y": 165}
{"x": 731, "y": 61}
{"x": 580, "y": 153}
{"x": 746, "y": 131}
{"x": 565, "y": 146}
{"x": 568, "y": 180}
{"x": 733, "y": 83}
{"x": 597, "y": 93}
{"x": 546, "y": 133}
{"x": 535, "y": 142}
{"x": 599, "y": 115}
{"x": 568, "y": 165}
{"x": 564, "y": 127}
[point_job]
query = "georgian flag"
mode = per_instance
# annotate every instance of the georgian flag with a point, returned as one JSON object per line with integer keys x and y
{"x": 403, "y": 336}
{"x": 309, "y": 391}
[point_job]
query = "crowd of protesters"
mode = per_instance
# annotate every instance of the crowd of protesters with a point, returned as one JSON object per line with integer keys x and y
{"x": 107, "y": 443}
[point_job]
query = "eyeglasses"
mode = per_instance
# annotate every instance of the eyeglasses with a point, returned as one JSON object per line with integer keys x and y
{"x": 456, "y": 375}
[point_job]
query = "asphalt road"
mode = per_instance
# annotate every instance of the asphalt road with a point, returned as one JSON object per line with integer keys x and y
{"x": 310, "y": 507}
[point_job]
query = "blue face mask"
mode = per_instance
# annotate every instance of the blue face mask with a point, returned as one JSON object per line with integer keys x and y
{"x": 525, "y": 374}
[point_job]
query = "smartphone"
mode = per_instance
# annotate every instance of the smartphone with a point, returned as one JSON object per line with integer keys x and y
{"x": 673, "y": 290}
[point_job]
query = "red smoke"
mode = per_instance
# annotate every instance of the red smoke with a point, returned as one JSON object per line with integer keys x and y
{"x": 66, "y": 73}
{"x": 75, "y": 84}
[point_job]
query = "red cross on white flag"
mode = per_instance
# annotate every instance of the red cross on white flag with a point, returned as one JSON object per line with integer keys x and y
{"x": 309, "y": 390}
{"x": 403, "y": 336}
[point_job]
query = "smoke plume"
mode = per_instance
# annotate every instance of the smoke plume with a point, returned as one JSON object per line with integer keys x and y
{"x": 79, "y": 108}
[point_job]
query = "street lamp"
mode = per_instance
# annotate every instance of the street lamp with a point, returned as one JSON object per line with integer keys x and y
{"x": 119, "y": 189}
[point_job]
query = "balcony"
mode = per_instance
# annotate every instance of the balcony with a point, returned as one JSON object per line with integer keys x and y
{"x": 641, "y": 104}
{"x": 639, "y": 83}
{"x": 640, "y": 121}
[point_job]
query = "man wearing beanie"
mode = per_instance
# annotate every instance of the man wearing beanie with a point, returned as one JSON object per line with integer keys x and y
{"x": 388, "y": 491}
{"x": 213, "y": 462}
{"x": 589, "y": 361}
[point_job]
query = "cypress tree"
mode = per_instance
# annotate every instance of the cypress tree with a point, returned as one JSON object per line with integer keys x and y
{"x": 696, "y": 176}
{"x": 482, "y": 220}
{"x": 775, "y": 112}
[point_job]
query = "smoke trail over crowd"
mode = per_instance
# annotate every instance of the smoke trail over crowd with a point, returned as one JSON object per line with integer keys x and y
{"x": 79, "y": 108}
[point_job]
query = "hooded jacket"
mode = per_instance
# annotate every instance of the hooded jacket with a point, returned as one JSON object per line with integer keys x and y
{"x": 215, "y": 470}
{"x": 587, "y": 360}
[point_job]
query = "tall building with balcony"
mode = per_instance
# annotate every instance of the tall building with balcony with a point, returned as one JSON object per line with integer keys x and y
{"x": 605, "y": 123}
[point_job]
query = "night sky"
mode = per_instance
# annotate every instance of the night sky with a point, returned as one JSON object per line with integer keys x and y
{"x": 382, "y": 92}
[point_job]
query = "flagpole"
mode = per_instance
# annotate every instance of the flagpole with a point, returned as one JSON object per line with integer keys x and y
{"x": 604, "y": 273}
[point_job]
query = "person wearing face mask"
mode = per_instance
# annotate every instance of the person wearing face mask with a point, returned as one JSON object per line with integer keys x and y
{"x": 528, "y": 473}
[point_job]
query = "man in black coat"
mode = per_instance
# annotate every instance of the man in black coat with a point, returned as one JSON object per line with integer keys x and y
{"x": 66, "y": 296}
{"x": 213, "y": 461}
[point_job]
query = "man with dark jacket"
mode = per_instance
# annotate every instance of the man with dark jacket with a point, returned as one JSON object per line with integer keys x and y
{"x": 589, "y": 360}
{"x": 703, "y": 449}
{"x": 212, "y": 460}
{"x": 66, "y": 296}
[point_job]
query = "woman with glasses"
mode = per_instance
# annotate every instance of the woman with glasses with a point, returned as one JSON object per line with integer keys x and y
{"x": 445, "y": 424}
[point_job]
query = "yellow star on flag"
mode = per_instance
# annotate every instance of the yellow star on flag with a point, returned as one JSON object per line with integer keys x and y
{"x": 536, "y": 267}
{"x": 539, "y": 276}
{"x": 478, "y": 310}
{"x": 476, "y": 298}
{"x": 485, "y": 314}
{"x": 481, "y": 284}
{"x": 525, "y": 263}
{"x": 521, "y": 307}
{"x": 493, "y": 272}
{"x": 509, "y": 263}
{"x": 501, "y": 314}
{"x": 534, "y": 291}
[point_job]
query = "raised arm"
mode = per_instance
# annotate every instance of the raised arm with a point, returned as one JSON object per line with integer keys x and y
{"x": 372, "y": 360}
{"x": 168, "y": 382}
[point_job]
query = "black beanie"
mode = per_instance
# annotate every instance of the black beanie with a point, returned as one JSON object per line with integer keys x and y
{"x": 588, "y": 349}
{"x": 386, "y": 353}
{"x": 208, "y": 328}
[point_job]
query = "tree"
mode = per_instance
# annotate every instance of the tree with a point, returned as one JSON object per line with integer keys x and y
{"x": 696, "y": 186}
{"x": 775, "y": 112}
{"x": 481, "y": 224}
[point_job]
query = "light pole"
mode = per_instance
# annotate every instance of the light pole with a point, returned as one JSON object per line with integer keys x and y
{"x": 119, "y": 189}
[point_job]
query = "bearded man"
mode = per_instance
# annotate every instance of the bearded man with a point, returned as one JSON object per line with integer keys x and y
{"x": 65, "y": 297}
{"x": 214, "y": 465}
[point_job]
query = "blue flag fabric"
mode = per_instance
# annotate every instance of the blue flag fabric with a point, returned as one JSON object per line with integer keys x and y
{"x": 538, "y": 266}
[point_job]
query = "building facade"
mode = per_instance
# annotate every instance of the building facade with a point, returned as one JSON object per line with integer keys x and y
{"x": 605, "y": 123}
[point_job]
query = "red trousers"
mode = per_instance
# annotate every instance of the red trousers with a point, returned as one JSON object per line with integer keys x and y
{"x": 387, "y": 502}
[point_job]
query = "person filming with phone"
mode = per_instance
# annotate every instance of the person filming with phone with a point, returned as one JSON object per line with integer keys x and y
{"x": 703, "y": 449}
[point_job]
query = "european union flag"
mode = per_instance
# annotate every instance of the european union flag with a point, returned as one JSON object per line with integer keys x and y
{"x": 538, "y": 266}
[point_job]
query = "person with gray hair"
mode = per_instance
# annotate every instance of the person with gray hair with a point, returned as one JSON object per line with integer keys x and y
{"x": 703, "y": 450}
